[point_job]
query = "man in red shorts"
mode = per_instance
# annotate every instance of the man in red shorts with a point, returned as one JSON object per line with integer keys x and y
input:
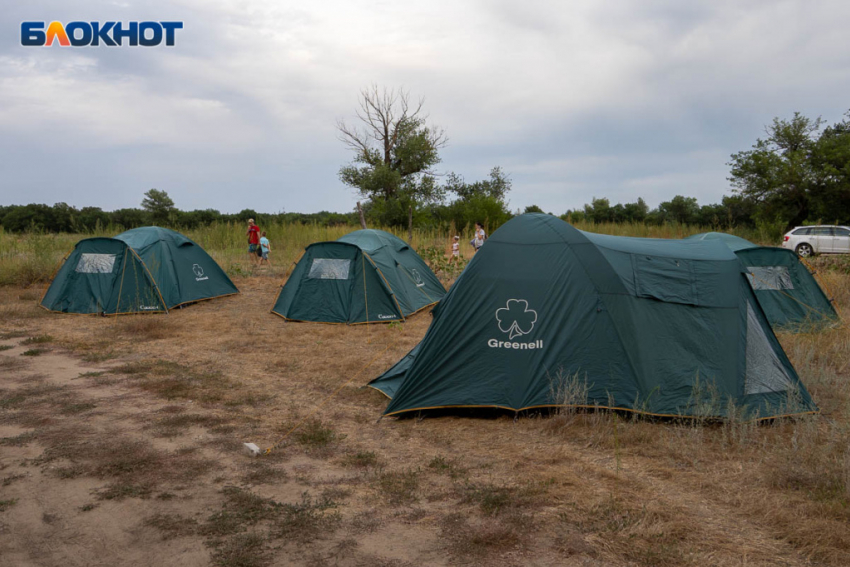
{"x": 253, "y": 241}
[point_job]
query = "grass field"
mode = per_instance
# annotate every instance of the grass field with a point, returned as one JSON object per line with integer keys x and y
{"x": 120, "y": 443}
{"x": 31, "y": 258}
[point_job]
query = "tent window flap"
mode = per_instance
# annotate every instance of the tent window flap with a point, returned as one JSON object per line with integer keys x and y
{"x": 96, "y": 263}
{"x": 770, "y": 277}
{"x": 329, "y": 269}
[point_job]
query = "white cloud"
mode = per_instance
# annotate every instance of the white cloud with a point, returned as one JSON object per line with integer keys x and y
{"x": 620, "y": 98}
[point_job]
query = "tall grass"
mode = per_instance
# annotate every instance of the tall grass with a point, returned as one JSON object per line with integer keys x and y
{"x": 30, "y": 258}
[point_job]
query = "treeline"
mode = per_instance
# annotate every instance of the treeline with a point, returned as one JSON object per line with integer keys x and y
{"x": 732, "y": 211}
{"x": 62, "y": 217}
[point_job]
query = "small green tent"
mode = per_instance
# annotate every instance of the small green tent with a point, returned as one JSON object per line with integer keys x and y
{"x": 367, "y": 276}
{"x": 144, "y": 270}
{"x": 787, "y": 291}
{"x": 662, "y": 327}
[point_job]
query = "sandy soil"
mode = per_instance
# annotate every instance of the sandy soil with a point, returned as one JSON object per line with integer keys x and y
{"x": 122, "y": 445}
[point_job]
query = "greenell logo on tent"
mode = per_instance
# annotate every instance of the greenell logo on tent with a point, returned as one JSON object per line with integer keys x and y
{"x": 417, "y": 278}
{"x": 516, "y": 318}
{"x": 199, "y": 273}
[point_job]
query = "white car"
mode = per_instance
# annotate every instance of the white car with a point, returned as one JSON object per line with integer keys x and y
{"x": 808, "y": 240}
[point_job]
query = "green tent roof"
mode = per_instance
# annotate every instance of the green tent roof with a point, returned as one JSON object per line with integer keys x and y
{"x": 662, "y": 327}
{"x": 735, "y": 243}
{"x": 367, "y": 276}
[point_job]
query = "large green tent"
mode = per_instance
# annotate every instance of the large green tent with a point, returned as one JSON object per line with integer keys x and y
{"x": 786, "y": 290}
{"x": 148, "y": 269}
{"x": 367, "y": 276}
{"x": 662, "y": 327}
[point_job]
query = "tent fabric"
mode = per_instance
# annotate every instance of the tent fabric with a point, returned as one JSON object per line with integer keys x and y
{"x": 103, "y": 276}
{"x": 734, "y": 243}
{"x": 366, "y": 276}
{"x": 787, "y": 291}
{"x": 661, "y": 327}
{"x": 143, "y": 270}
{"x": 183, "y": 271}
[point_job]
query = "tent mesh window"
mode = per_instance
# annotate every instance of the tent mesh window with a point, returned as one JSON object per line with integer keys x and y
{"x": 770, "y": 277}
{"x": 95, "y": 263}
{"x": 765, "y": 372}
{"x": 329, "y": 269}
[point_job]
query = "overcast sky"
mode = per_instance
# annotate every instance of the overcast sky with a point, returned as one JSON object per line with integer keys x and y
{"x": 619, "y": 99}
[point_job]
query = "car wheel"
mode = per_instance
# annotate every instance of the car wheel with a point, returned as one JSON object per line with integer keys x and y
{"x": 804, "y": 250}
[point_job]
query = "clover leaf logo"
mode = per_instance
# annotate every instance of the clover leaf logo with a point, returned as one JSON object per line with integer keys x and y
{"x": 199, "y": 271}
{"x": 516, "y": 318}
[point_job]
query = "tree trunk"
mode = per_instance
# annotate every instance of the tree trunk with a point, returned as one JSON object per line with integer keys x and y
{"x": 410, "y": 225}
{"x": 362, "y": 218}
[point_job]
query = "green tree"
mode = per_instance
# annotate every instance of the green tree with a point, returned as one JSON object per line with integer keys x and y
{"x": 830, "y": 196}
{"x": 533, "y": 209}
{"x": 497, "y": 187}
{"x": 159, "y": 205}
{"x": 679, "y": 209}
{"x": 778, "y": 173}
{"x": 394, "y": 151}
{"x": 598, "y": 211}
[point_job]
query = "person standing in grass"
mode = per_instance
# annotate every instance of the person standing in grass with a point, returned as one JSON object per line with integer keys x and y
{"x": 480, "y": 237}
{"x": 265, "y": 248}
{"x": 455, "y": 257}
{"x": 253, "y": 241}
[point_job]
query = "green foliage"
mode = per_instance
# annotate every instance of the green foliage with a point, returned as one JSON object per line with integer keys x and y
{"x": 497, "y": 187}
{"x": 797, "y": 173}
{"x": 443, "y": 266}
{"x": 159, "y": 205}
{"x": 394, "y": 151}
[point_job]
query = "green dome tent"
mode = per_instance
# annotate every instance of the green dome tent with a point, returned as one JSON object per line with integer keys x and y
{"x": 367, "y": 276}
{"x": 786, "y": 290}
{"x": 144, "y": 270}
{"x": 661, "y": 327}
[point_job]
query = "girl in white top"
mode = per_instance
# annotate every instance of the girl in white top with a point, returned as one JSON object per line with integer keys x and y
{"x": 456, "y": 249}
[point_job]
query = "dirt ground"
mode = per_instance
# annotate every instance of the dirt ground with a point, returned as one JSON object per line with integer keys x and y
{"x": 121, "y": 444}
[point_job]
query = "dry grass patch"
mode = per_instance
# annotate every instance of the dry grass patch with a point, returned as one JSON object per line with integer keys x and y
{"x": 6, "y": 335}
{"x": 260, "y": 472}
{"x": 240, "y": 509}
{"x": 185, "y": 420}
{"x": 19, "y": 440}
{"x": 134, "y": 468}
{"x": 301, "y": 522}
{"x": 145, "y": 327}
{"x": 9, "y": 364}
{"x": 316, "y": 437}
{"x": 39, "y": 393}
{"x": 450, "y": 467}
{"x": 37, "y": 340}
{"x": 307, "y": 520}
{"x": 361, "y": 460}
{"x": 242, "y": 550}
{"x": 172, "y": 526}
{"x": 34, "y": 352}
{"x": 30, "y": 295}
{"x": 398, "y": 488}
{"x": 76, "y": 407}
{"x": 469, "y": 537}
{"x": 175, "y": 381}
{"x": 17, "y": 311}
